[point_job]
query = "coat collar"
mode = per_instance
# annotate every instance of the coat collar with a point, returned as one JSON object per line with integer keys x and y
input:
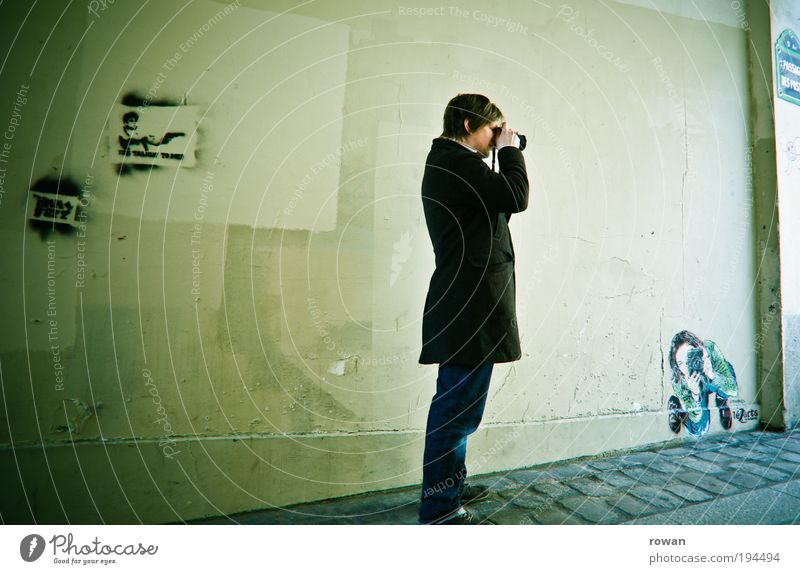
{"x": 453, "y": 143}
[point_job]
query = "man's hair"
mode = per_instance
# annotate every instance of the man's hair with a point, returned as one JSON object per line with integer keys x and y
{"x": 476, "y": 108}
{"x": 130, "y": 116}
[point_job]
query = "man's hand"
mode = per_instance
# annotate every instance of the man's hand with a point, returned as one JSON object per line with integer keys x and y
{"x": 507, "y": 137}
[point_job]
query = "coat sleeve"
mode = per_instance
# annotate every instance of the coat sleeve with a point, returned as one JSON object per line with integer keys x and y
{"x": 483, "y": 188}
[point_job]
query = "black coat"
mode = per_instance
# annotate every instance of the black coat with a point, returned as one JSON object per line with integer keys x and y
{"x": 470, "y": 311}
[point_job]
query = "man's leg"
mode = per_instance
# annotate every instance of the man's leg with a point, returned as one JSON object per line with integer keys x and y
{"x": 456, "y": 411}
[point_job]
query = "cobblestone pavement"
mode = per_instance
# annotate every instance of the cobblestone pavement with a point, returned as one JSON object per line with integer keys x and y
{"x": 742, "y": 478}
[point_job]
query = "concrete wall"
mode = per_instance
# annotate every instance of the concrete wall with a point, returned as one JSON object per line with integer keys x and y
{"x": 785, "y": 17}
{"x": 245, "y": 331}
{"x": 768, "y": 341}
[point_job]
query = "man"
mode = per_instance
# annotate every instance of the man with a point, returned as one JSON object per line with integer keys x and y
{"x": 470, "y": 318}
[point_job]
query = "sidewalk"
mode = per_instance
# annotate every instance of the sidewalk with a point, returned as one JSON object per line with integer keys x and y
{"x": 743, "y": 478}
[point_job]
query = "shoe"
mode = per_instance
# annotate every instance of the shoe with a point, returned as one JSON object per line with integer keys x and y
{"x": 459, "y": 516}
{"x": 676, "y": 414}
{"x": 471, "y": 494}
{"x": 725, "y": 417}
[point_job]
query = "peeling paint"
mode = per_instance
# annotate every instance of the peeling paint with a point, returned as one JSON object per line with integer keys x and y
{"x": 77, "y": 412}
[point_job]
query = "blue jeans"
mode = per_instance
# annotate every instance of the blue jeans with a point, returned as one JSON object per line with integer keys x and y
{"x": 456, "y": 411}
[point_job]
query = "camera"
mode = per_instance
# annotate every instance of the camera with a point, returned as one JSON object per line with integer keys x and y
{"x": 523, "y": 141}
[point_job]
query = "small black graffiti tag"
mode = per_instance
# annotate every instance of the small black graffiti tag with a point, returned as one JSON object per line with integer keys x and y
{"x": 742, "y": 415}
{"x": 49, "y": 207}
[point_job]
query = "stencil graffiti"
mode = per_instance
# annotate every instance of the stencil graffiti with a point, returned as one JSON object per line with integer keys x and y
{"x": 53, "y": 208}
{"x": 152, "y": 136}
{"x": 699, "y": 370}
{"x": 131, "y": 137}
{"x": 55, "y": 205}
